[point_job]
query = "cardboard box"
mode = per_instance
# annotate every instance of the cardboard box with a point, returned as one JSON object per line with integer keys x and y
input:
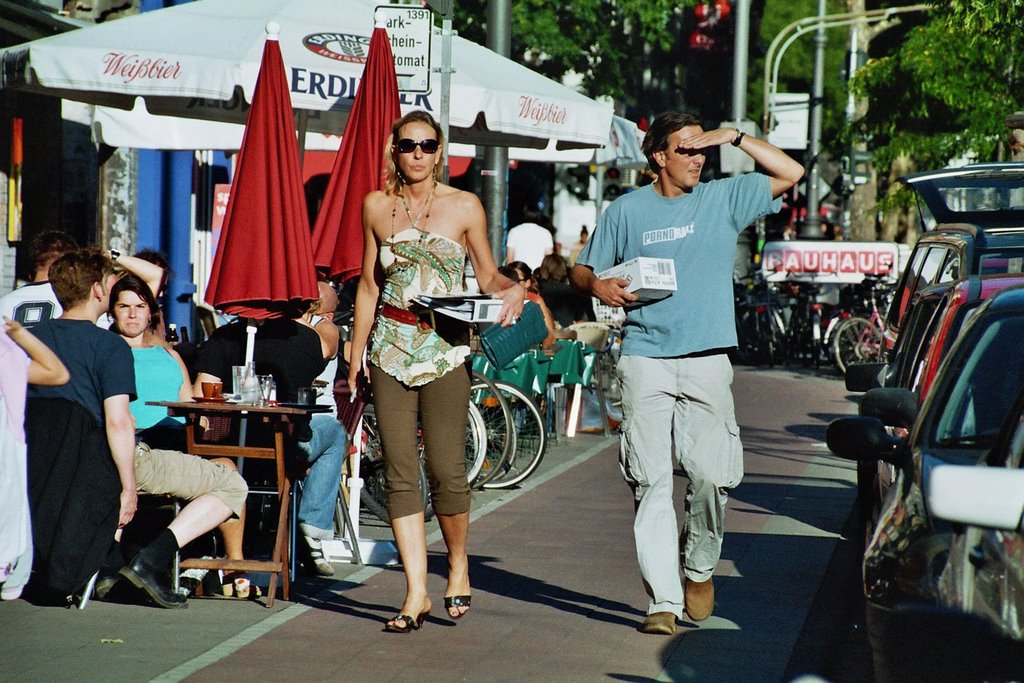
{"x": 649, "y": 278}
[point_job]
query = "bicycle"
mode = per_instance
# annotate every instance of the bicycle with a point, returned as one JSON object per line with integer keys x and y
{"x": 526, "y": 438}
{"x": 804, "y": 332}
{"x": 760, "y": 329}
{"x": 498, "y": 423}
{"x": 371, "y": 463}
{"x": 858, "y": 339}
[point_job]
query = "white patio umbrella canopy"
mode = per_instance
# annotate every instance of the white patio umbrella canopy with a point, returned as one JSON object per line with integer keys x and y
{"x": 200, "y": 60}
{"x": 140, "y": 129}
{"x": 622, "y": 148}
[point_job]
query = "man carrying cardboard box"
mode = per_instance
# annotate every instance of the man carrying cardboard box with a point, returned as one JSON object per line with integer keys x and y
{"x": 674, "y": 373}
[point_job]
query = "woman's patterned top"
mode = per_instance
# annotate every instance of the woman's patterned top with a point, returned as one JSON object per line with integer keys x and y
{"x": 414, "y": 263}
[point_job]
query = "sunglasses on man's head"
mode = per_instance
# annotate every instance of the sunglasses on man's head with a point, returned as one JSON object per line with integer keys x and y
{"x": 408, "y": 146}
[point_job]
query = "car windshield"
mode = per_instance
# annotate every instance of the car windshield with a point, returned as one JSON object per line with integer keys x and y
{"x": 988, "y": 378}
{"x": 981, "y": 195}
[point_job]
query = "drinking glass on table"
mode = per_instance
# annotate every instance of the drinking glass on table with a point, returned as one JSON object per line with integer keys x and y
{"x": 268, "y": 389}
{"x": 305, "y": 396}
{"x": 238, "y": 374}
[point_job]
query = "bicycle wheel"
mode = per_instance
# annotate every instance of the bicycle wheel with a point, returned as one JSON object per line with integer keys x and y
{"x": 499, "y": 427}
{"x": 530, "y": 441}
{"x": 476, "y": 443}
{"x": 855, "y": 340}
{"x": 373, "y": 494}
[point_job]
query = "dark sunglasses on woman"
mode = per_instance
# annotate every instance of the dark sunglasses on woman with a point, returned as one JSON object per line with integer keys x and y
{"x": 408, "y": 146}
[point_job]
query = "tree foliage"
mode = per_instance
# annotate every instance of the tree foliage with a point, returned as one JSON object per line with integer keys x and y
{"x": 944, "y": 93}
{"x": 607, "y": 42}
{"x": 636, "y": 51}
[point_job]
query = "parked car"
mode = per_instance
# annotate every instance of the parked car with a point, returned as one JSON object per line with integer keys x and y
{"x": 972, "y": 220}
{"x": 933, "y": 323}
{"x": 958, "y": 423}
{"x": 984, "y": 573}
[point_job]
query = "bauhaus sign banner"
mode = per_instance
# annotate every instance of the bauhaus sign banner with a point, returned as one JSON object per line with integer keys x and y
{"x": 821, "y": 261}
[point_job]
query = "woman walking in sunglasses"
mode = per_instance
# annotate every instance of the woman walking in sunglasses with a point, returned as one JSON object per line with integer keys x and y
{"x": 417, "y": 234}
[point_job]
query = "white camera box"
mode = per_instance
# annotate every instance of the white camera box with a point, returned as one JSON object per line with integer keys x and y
{"x": 649, "y": 278}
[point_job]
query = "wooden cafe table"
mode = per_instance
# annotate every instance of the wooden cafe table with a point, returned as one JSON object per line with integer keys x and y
{"x": 281, "y": 419}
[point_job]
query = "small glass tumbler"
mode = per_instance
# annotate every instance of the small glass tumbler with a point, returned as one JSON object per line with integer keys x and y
{"x": 238, "y": 373}
{"x": 266, "y": 389}
{"x": 305, "y": 396}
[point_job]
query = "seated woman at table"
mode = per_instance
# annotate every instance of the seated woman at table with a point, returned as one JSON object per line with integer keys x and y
{"x": 517, "y": 271}
{"x": 214, "y": 488}
{"x": 567, "y": 305}
{"x": 416, "y": 236}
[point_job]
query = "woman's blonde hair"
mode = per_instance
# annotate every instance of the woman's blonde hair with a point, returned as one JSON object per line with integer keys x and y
{"x": 393, "y": 181}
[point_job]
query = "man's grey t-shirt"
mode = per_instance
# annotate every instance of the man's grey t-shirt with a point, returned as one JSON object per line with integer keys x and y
{"x": 698, "y": 232}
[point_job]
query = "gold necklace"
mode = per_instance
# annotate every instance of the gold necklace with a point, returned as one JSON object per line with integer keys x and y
{"x": 415, "y": 223}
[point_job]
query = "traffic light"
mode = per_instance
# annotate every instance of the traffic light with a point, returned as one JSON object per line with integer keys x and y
{"x": 578, "y": 181}
{"x": 712, "y": 18}
{"x": 612, "y": 183}
{"x": 855, "y": 169}
{"x": 860, "y": 166}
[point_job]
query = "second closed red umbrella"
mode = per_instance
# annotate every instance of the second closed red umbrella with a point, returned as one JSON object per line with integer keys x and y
{"x": 359, "y": 166}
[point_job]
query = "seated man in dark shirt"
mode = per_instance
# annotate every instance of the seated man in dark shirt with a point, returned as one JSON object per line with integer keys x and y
{"x": 293, "y": 353}
{"x": 103, "y": 381}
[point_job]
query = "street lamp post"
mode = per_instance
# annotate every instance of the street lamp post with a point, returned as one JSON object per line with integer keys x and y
{"x": 783, "y": 40}
{"x": 495, "y": 170}
{"x": 812, "y": 222}
{"x": 778, "y": 47}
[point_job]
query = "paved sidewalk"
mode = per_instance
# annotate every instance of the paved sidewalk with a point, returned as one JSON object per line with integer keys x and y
{"x": 557, "y": 595}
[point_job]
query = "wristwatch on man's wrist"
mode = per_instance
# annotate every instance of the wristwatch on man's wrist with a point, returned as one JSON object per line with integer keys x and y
{"x": 114, "y": 254}
{"x": 739, "y": 138}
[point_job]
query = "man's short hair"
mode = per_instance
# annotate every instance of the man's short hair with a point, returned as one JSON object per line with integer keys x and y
{"x": 656, "y": 139}
{"x": 73, "y": 274}
{"x": 48, "y": 246}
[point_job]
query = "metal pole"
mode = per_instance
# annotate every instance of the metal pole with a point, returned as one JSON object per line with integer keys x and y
{"x": 446, "y": 79}
{"x": 740, "y": 52}
{"x": 851, "y": 112}
{"x": 812, "y": 222}
{"x": 495, "y": 170}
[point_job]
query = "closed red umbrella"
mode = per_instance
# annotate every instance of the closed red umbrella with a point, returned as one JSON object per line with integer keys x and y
{"x": 264, "y": 262}
{"x": 359, "y": 166}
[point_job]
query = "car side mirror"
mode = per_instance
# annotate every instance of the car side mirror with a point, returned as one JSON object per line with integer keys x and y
{"x": 863, "y": 439}
{"x": 894, "y": 406}
{"x": 991, "y": 497}
{"x": 865, "y": 376}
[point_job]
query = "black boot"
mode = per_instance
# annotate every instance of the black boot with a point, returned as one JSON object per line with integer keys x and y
{"x": 147, "y": 577}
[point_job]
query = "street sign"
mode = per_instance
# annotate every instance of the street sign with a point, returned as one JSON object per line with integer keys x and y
{"x": 409, "y": 28}
{"x": 791, "y": 113}
{"x": 732, "y": 160}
